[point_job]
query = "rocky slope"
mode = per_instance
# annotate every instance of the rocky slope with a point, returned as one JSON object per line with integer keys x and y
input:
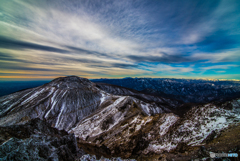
{"x": 130, "y": 133}
{"x": 198, "y": 124}
{"x": 37, "y": 140}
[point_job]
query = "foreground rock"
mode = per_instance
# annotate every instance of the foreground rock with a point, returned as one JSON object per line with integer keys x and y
{"x": 88, "y": 157}
{"x": 36, "y": 140}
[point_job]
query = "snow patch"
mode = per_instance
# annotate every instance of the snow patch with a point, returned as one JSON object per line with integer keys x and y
{"x": 54, "y": 101}
{"x": 150, "y": 109}
{"x": 58, "y": 118}
{"x": 169, "y": 121}
{"x": 33, "y": 96}
{"x": 103, "y": 98}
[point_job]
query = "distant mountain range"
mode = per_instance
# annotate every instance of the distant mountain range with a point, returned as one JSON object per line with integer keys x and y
{"x": 147, "y": 119}
{"x": 185, "y": 90}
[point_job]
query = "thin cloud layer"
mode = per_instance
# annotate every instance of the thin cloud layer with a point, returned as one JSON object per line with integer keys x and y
{"x": 94, "y": 39}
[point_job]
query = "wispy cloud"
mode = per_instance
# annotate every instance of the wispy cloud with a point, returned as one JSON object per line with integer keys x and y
{"x": 120, "y": 38}
{"x": 219, "y": 67}
{"x": 226, "y": 56}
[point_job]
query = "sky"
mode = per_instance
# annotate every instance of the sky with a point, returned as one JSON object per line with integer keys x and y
{"x": 45, "y": 39}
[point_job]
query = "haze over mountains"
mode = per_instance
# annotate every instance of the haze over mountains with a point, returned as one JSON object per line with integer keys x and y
{"x": 113, "y": 121}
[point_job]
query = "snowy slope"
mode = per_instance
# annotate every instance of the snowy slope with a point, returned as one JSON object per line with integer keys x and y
{"x": 112, "y": 115}
{"x": 199, "y": 123}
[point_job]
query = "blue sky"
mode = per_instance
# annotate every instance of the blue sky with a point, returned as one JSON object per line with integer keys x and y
{"x": 114, "y": 39}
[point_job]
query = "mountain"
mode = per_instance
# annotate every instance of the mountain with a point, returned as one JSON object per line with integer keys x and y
{"x": 63, "y": 103}
{"x": 185, "y": 90}
{"x": 112, "y": 121}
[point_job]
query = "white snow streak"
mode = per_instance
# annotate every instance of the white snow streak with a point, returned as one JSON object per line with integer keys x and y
{"x": 103, "y": 98}
{"x": 54, "y": 101}
{"x": 58, "y": 118}
{"x": 169, "y": 121}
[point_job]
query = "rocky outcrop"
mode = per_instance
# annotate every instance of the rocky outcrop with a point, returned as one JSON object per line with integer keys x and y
{"x": 37, "y": 140}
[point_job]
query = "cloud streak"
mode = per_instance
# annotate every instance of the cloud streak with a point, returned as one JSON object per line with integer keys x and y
{"x": 22, "y": 45}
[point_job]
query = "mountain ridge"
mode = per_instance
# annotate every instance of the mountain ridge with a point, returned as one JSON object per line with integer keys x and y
{"x": 184, "y": 90}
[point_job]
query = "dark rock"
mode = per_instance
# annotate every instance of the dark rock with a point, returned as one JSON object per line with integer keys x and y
{"x": 210, "y": 137}
{"x": 42, "y": 142}
{"x": 202, "y": 152}
{"x": 106, "y": 123}
{"x": 182, "y": 148}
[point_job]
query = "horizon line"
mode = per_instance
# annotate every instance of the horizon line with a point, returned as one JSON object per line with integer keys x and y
{"x": 50, "y": 78}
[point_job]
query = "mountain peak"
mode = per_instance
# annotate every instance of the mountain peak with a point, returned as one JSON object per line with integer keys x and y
{"x": 71, "y": 82}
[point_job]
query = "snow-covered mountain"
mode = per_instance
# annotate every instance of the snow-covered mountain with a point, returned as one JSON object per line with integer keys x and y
{"x": 113, "y": 121}
{"x": 63, "y": 103}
